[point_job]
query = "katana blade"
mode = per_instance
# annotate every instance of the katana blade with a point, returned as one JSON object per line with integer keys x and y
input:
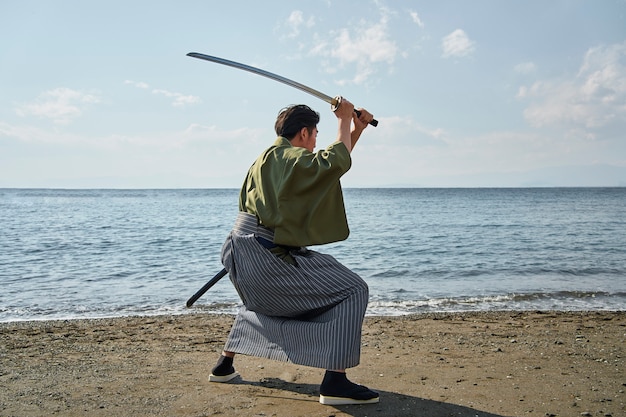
{"x": 267, "y": 74}
{"x": 333, "y": 101}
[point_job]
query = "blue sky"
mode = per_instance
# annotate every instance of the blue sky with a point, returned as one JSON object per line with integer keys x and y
{"x": 480, "y": 93}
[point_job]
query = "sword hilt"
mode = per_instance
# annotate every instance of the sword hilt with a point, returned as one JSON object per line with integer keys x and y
{"x": 334, "y": 105}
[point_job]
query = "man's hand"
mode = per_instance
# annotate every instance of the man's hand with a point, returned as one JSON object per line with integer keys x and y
{"x": 361, "y": 119}
{"x": 344, "y": 109}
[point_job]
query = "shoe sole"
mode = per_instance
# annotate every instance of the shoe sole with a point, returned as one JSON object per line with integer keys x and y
{"x": 223, "y": 378}
{"x": 327, "y": 400}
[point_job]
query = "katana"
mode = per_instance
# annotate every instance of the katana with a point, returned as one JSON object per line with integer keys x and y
{"x": 333, "y": 101}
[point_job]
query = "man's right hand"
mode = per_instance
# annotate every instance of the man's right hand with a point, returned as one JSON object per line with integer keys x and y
{"x": 344, "y": 109}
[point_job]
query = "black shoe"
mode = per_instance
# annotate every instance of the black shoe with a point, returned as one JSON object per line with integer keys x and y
{"x": 336, "y": 389}
{"x": 223, "y": 371}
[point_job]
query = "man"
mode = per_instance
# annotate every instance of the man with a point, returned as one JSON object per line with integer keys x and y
{"x": 299, "y": 305}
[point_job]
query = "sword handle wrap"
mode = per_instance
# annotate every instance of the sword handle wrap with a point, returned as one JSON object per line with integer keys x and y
{"x": 334, "y": 105}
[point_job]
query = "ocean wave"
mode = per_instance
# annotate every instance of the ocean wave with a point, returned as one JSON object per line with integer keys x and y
{"x": 559, "y": 300}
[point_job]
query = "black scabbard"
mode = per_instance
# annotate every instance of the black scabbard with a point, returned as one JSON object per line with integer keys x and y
{"x": 206, "y": 287}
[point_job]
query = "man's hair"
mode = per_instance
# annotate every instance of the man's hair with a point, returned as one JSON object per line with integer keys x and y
{"x": 292, "y": 119}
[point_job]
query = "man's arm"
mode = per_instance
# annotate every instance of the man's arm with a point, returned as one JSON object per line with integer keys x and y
{"x": 360, "y": 123}
{"x": 344, "y": 122}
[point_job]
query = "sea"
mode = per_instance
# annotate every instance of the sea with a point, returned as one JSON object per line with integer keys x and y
{"x": 79, "y": 253}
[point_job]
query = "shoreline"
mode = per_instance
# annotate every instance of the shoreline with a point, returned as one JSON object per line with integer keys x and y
{"x": 201, "y": 311}
{"x": 488, "y": 363}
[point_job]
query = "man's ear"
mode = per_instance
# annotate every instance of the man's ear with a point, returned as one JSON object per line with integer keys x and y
{"x": 304, "y": 133}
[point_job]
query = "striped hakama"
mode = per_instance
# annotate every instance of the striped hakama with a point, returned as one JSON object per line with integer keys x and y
{"x": 310, "y": 314}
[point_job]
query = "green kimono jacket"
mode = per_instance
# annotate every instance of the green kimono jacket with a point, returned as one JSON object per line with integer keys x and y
{"x": 298, "y": 194}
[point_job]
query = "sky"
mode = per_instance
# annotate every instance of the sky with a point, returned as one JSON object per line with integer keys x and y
{"x": 482, "y": 93}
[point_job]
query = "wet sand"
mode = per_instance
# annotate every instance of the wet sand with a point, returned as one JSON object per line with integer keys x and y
{"x": 470, "y": 364}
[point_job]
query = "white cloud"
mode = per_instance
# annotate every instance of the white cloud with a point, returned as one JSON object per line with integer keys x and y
{"x": 604, "y": 73}
{"x": 457, "y": 44}
{"x": 365, "y": 46}
{"x": 62, "y": 105}
{"x": 407, "y": 131}
{"x": 137, "y": 84}
{"x": 180, "y": 100}
{"x": 594, "y": 99}
{"x": 525, "y": 68}
{"x": 33, "y": 134}
{"x": 296, "y": 20}
{"x": 26, "y": 133}
{"x": 416, "y": 19}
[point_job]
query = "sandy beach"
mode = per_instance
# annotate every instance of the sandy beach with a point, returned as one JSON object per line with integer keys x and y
{"x": 471, "y": 364}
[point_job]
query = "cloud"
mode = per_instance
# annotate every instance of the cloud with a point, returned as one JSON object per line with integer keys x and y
{"x": 364, "y": 46}
{"x": 295, "y": 21}
{"x": 594, "y": 99}
{"x": 180, "y": 100}
{"x": 61, "y": 105}
{"x": 408, "y": 131}
{"x": 457, "y": 44}
{"x": 416, "y": 19}
{"x": 32, "y": 134}
{"x": 525, "y": 68}
{"x": 137, "y": 84}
